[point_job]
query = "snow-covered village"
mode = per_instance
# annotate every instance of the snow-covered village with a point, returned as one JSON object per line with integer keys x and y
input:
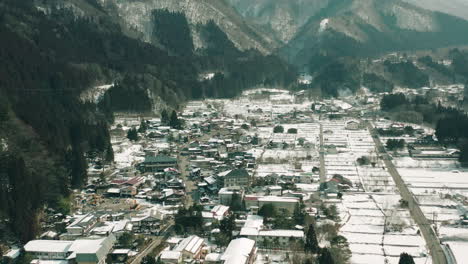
{"x": 233, "y": 132}
{"x": 271, "y": 176}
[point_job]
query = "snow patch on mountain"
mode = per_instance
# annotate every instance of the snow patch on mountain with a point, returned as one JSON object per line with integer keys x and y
{"x": 3, "y": 144}
{"x": 418, "y": 21}
{"x": 95, "y": 94}
{"x": 323, "y": 24}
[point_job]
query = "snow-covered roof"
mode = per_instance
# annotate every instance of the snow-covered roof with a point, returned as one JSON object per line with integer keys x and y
{"x": 238, "y": 251}
{"x": 254, "y": 221}
{"x": 219, "y": 210}
{"x": 282, "y": 233}
{"x": 214, "y": 257}
{"x": 52, "y": 246}
{"x": 191, "y": 244}
{"x": 170, "y": 255}
{"x": 249, "y": 231}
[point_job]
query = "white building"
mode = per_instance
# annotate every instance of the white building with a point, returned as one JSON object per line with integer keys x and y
{"x": 82, "y": 251}
{"x": 240, "y": 251}
{"x": 190, "y": 248}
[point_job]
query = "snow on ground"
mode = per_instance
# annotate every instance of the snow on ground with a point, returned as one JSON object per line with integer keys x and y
{"x": 459, "y": 250}
{"x": 126, "y": 154}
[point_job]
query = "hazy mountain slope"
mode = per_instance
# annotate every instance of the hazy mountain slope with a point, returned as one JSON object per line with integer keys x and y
{"x": 282, "y": 18}
{"x": 137, "y": 13}
{"x": 366, "y": 27}
{"x": 457, "y": 8}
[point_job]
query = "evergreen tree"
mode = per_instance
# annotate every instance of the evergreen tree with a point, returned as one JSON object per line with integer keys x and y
{"x": 79, "y": 167}
{"x": 164, "y": 117}
{"x": 132, "y": 134}
{"x": 143, "y": 126}
{"x": 236, "y": 202}
{"x": 174, "y": 121}
{"x": 148, "y": 260}
{"x": 268, "y": 211}
{"x": 227, "y": 225}
{"x": 299, "y": 214}
{"x": 278, "y": 129}
{"x": 325, "y": 257}
{"x": 311, "y": 244}
{"x": 405, "y": 258}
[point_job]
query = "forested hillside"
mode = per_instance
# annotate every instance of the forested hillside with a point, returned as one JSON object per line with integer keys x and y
{"x": 52, "y": 55}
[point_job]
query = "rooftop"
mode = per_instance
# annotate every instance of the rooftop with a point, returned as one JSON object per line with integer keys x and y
{"x": 170, "y": 255}
{"x": 282, "y": 233}
{"x": 54, "y": 246}
{"x": 190, "y": 244}
{"x": 159, "y": 159}
{"x": 238, "y": 251}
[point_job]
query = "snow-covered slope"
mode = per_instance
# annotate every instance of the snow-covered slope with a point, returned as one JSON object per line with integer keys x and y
{"x": 137, "y": 13}
{"x": 283, "y": 18}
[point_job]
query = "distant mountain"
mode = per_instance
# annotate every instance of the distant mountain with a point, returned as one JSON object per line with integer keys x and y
{"x": 457, "y": 8}
{"x": 283, "y": 19}
{"x": 357, "y": 27}
{"x": 370, "y": 27}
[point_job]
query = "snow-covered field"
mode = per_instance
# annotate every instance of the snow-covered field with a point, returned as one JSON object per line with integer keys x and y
{"x": 367, "y": 215}
{"x": 376, "y": 227}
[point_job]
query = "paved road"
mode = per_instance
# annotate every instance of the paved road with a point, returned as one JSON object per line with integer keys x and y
{"x": 323, "y": 172}
{"x": 156, "y": 241}
{"x": 432, "y": 241}
{"x": 184, "y": 162}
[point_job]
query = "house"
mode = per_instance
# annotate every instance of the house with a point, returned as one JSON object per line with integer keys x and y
{"x": 237, "y": 177}
{"x": 158, "y": 163}
{"x": 48, "y": 249}
{"x": 213, "y": 258}
{"x": 255, "y": 230}
{"x": 217, "y": 213}
{"x": 191, "y": 248}
{"x": 280, "y": 203}
{"x": 120, "y": 255}
{"x": 225, "y": 194}
{"x": 352, "y": 125}
{"x": 433, "y": 153}
{"x": 81, "y": 251}
{"x": 170, "y": 256}
{"x": 82, "y": 225}
{"x": 146, "y": 224}
{"x": 128, "y": 191}
{"x": 279, "y": 238}
{"x": 240, "y": 251}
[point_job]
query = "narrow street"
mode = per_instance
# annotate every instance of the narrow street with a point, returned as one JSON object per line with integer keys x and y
{"x": 432, "y": 241}
{"x": 184, "y": 163}
{"x": 323, "y": 173}
{"x": 147, "y": 250}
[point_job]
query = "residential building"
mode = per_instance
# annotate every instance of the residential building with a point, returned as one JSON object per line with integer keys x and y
{"x": 240, "y": 251}
{"x": 217, "y": 213}
{"x": 158, "y": 163}
{"x": 191, "y": 247}
{"x": 237, "y": 177}
{"x": 81, "y": 251}
{"x": 82, "y": 225}
{"x": 170, "y": 256}
{"x": 225, "y": 194}
{"x": 280, "y": 202}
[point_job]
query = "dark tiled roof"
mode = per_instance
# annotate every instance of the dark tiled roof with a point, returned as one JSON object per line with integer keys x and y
{"x": 160, "y": 159}
{"x": 238, "y": 173}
